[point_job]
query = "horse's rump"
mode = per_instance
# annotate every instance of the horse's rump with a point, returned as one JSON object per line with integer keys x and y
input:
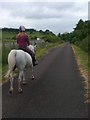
{"x": 11, "y": 62}
{"x": 19, "y": 59}
{"x": 12, "y": 59}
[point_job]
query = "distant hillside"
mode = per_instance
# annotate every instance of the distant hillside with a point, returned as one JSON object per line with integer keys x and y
{"x": 10, "y": 34}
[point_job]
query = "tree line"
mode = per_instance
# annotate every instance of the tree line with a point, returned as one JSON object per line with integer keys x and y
{"x": 79, "y": 36}
{"x": 33, "y": 34}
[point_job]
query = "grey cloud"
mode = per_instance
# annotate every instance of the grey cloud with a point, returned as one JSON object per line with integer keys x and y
{"x": 56, "y": 16}
{"x": 89, "y": 10}
{"x": 39, "y": 10}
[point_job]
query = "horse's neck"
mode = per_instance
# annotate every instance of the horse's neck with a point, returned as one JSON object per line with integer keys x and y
{"x": 31, "y": 47}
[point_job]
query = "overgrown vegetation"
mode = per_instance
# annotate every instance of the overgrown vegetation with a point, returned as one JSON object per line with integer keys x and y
{"x": 84, "y": 65}
{"x": 80, "y": 35}
{"x": 82, "y": 59}
{"x": 9, "y": 34}
{"x": 45, "y": 47}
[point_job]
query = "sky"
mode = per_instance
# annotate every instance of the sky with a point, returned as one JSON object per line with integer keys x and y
{"x": 58, "y": 16}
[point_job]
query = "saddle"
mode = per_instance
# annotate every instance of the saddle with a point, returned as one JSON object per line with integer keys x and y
{"x": 31, "y": 54}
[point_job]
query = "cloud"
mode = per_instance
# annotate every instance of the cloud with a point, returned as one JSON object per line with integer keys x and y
{"x": 55, "y": 16}
{"x": 38, "y": 10}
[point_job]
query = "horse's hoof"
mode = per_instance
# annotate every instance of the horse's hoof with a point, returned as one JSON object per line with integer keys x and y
{"x": 10, "y": 91}
{"x": 33, "y": 78}
{"x": 20, "y": 91}
{"x": 24, "y": 83}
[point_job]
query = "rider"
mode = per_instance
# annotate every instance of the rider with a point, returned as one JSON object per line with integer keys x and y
{"x": 23, "y": 42}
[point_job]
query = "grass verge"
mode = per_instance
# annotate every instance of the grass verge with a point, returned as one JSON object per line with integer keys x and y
{"x": 84, "y": 66}
{"x": 45, "y": 48}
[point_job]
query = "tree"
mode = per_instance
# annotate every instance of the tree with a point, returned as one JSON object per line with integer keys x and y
{"x": 59, "y": 35}
{"x": 79, "y": 25}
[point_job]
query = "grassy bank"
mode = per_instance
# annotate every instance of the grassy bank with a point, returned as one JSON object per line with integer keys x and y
{"x": 45, "y": 48}
{"x": 84, "y": 65}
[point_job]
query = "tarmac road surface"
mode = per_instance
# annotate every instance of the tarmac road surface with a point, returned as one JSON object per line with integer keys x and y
{"x": 57, "y": 91}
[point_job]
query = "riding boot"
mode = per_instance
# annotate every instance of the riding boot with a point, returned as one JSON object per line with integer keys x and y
{"x": 34, "y": 61}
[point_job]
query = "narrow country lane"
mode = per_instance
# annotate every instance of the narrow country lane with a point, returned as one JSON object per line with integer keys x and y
{"x": 56, "y": 92}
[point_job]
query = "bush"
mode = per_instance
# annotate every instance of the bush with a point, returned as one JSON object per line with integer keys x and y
{"x": 84, "y": 44}
{"x": 5, "y": 51}
{"x": 51, "y": 38}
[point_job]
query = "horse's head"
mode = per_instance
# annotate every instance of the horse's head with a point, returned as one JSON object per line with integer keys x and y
{"x": 32, "y": 48}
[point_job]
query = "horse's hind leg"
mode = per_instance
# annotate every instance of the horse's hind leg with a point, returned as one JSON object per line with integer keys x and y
{"x": 32, "y": 72}
{"x": 11, "y": 83}
{"x": 24, "y": 80}
{"x": 19, "y": 81}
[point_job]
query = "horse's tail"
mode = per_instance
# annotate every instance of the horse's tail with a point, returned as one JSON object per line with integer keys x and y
{"x": 11, "y": 62}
